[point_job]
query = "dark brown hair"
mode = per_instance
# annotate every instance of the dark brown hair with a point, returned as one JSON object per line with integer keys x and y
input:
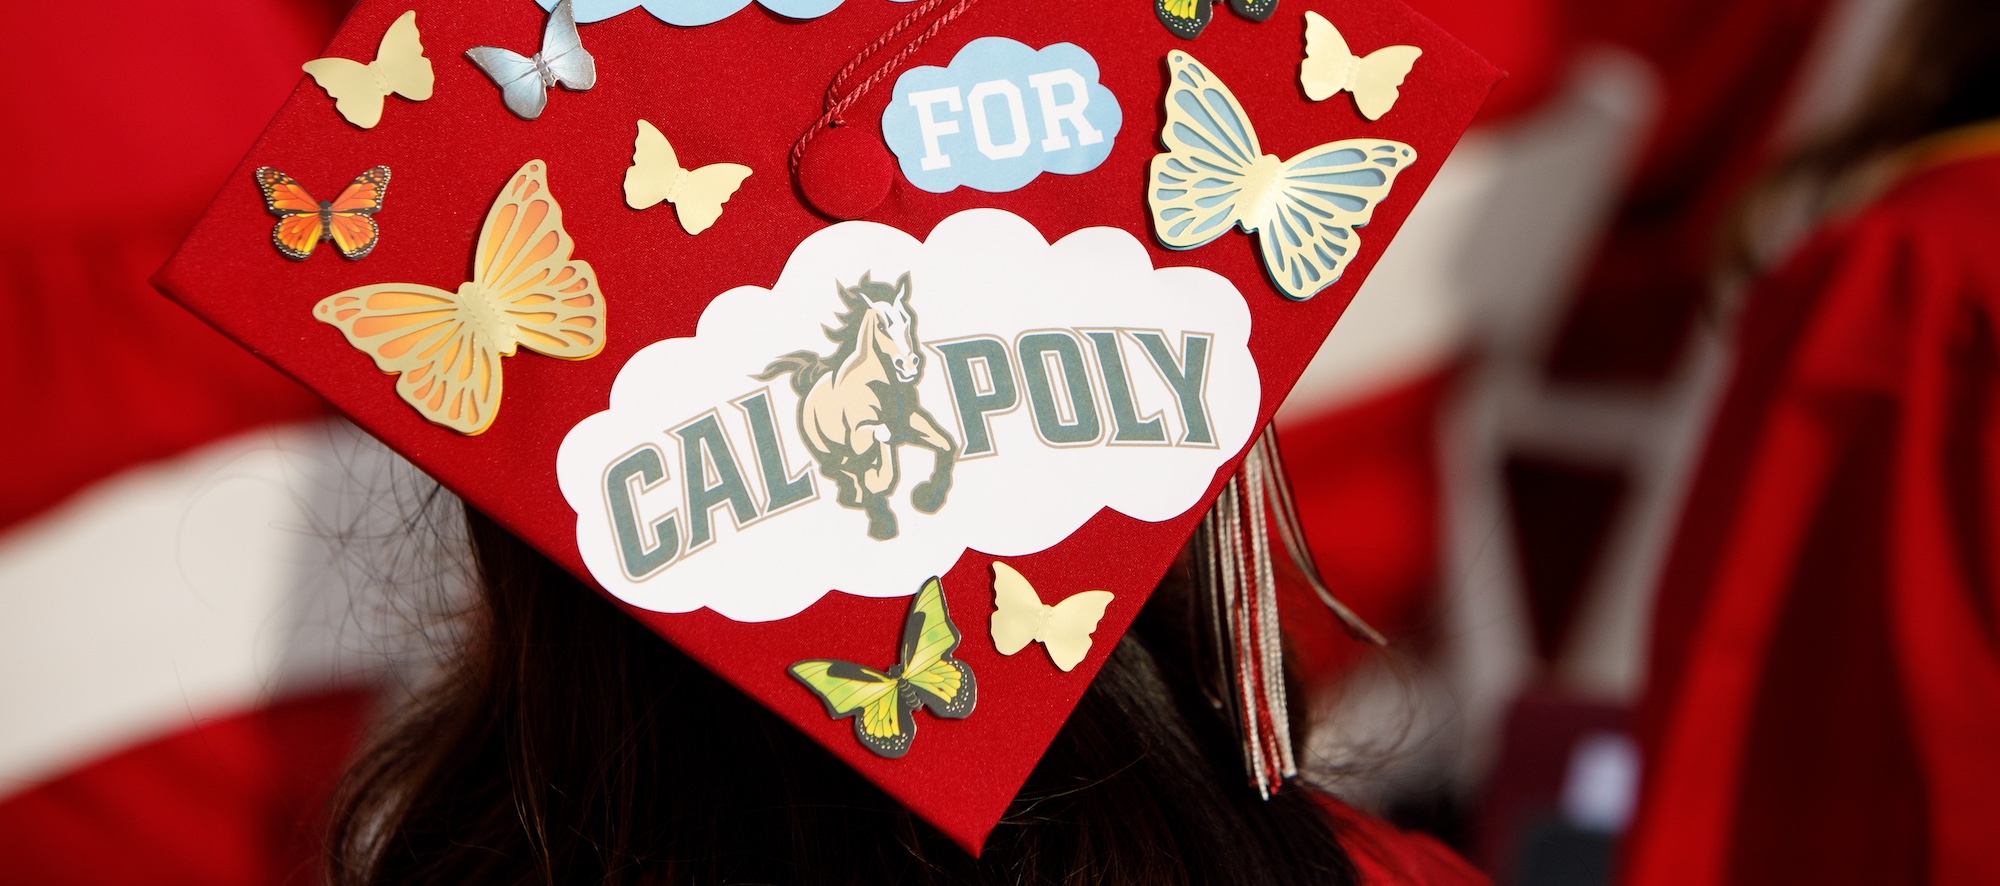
{"x": 1939, "y": 72}
{"x": 567, "y": 744}
{"x": 1942, "y": 71}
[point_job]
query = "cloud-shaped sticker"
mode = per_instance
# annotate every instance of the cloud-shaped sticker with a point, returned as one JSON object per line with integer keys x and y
{"x": 691, "y": 13}
{"x": 891, "y": 402}
{"x": 1000, "y": 115}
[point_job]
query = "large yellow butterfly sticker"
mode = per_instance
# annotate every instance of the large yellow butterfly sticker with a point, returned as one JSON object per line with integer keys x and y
{"x": 445, "y": 347}
{"x": 884, "y": 703}
{"x": 1304, "y": 210}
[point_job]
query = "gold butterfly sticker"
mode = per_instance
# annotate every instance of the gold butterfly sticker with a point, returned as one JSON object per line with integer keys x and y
{"x": 399, "y": 68}
{"x": 884, "y": 703}
{"x": 656, "y": 174}
{"x": 1305, "y": 211}
{"x": 1020, "y": 617}
{"x": 445, "y": 347}
{"x": 1375, "y": 80}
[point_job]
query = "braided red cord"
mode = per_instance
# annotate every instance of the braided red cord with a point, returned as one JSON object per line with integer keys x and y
{"x": 837, "y": 104}
{"x": 833, "y": 89}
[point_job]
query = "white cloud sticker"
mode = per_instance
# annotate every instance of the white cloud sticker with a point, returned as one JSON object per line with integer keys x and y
{"x": 891, "y": 403}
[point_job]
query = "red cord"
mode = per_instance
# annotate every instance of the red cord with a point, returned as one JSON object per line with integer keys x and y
{"x": 837, "y": 104}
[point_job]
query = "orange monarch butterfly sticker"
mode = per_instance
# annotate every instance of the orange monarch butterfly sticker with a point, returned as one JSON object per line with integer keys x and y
{"x": 348, "y": 220}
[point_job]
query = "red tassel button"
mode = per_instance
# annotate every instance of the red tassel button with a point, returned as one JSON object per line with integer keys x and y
{"x": 845, "y": 171}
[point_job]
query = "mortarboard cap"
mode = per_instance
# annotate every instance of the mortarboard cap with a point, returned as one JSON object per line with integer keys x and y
{"x": 575, "y": 273}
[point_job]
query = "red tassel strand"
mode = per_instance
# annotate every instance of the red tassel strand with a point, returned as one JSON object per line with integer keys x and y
{"x": 1240, "y": 596}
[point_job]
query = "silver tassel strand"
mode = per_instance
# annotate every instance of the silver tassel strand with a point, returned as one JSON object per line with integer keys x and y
{"x": 1240, "y": 594}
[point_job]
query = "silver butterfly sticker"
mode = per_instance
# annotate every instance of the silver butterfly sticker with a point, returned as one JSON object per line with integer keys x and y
{"x": 524, "y": 82}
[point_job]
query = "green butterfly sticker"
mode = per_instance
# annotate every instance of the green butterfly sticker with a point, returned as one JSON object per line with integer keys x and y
{"x": 1187, "y": 18}
{"x": 884, "y": 703}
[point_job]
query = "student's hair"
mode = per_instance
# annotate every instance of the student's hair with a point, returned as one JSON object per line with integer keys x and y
{"x": 565, "y": 743}
{"x": 1940, "y": 71}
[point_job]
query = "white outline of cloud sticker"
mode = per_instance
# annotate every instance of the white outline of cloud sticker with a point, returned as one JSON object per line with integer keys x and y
{"x": 692, "y": 13}
{"x": 981, "y": 272}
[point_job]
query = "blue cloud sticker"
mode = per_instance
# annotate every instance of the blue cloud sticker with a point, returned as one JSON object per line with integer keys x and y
{"x": 691, "y": 13}
{"x": 999, "y": 115}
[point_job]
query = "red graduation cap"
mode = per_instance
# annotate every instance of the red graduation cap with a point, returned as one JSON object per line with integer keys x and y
{"x": 791, "y": 446}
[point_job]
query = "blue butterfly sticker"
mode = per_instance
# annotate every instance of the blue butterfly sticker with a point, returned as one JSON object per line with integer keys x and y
{"x": 693, "y": 13}
{"x": 1306, "y": 211}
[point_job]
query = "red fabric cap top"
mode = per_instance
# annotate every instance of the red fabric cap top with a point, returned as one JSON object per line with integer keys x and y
{"x": 765, "y": 434}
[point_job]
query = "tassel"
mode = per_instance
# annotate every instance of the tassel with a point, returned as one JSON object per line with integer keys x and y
{"x": 1240, "y": 598}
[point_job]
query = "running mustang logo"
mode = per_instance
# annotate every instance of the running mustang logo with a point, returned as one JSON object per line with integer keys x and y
{"x": 858, "y": 404}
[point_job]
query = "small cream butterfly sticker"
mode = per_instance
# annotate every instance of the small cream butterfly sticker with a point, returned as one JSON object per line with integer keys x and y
{"x": 1020, "y": 617}
{"x": 526, "y": 292}
{"x": 697, "y": 195}
{"x": 1330, "y": 67}
{"x": 1305, "y": 210}
{"x": 399, "y": 67}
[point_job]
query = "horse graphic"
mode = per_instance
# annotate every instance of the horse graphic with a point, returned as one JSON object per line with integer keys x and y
{"x": 858, "y": 404}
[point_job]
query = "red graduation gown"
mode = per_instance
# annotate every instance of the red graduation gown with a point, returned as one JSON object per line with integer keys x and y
{"x": 1727, "y": 72}
{"x": 121, "y": 122}
{"x": 228, "y": 801}
{"x": 1385, "y": 856}
{"x": 1825, "y": 696}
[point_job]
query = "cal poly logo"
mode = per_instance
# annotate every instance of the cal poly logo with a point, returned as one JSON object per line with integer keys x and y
{"x": 891, "y": 403}
{"x": 859, "y": 405}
